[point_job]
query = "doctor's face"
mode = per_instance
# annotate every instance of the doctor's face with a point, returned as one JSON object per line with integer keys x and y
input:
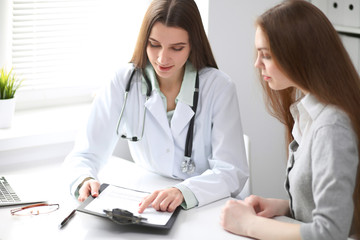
{"x": 168, "y": 50}
{"x": 270, "y": 71}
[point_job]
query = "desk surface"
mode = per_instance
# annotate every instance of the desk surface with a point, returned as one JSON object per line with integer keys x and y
{"x": 196, "y": 223}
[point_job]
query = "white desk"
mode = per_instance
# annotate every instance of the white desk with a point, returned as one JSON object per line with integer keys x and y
{"x": 197, "y": 223}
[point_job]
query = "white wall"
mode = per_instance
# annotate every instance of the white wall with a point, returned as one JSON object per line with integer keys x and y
{"x": 4, "y": 33}
{"x": 231, "y": 33}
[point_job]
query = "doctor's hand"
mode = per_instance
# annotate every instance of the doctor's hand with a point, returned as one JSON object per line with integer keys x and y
{"x": 88, "y": 187}
{"x": 162, "y": 200}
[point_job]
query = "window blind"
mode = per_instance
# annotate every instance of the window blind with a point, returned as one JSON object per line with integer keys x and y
{"x": 49, "y": 40}
{"x": 64, "y": 49}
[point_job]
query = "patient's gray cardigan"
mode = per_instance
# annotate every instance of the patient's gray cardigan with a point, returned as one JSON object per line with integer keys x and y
{"x": 321, "y": 170}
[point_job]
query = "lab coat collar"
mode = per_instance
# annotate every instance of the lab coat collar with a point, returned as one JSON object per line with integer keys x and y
{"x": 186, "y": 94}
{"x": 182, "y": 116}
{"x": 155, "y": 107}
{"x": 183, "y": 112}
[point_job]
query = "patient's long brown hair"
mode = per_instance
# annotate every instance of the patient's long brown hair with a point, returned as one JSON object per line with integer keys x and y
{"x": 308, "y": 49}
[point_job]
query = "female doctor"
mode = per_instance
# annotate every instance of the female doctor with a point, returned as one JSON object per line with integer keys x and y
{"x": 179, "y": 113}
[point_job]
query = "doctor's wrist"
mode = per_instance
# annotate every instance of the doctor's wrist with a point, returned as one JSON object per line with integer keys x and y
{"x": 76, "y": 194}
{"x": 190, "y": 200}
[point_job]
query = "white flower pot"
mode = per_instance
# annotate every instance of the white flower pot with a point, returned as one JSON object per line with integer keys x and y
{"x": 7, "y": 110}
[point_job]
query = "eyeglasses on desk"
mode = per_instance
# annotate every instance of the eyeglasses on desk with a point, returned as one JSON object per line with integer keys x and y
{"x": 35, "y": 209}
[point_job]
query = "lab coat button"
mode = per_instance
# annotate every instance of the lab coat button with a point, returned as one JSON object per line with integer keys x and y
{"x": 167, "y": 150}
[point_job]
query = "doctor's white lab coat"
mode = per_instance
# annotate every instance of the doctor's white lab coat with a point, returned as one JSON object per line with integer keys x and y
{"x": 218, "y": 146}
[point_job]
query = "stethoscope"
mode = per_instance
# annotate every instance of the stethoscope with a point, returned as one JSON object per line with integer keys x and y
{"x": 187, "y": 165}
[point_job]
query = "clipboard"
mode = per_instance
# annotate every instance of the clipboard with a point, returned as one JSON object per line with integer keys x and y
{"x": 111, "y": 195}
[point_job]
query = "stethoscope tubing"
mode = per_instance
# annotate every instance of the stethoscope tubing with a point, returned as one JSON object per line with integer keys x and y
{"x": 188, "y": 165}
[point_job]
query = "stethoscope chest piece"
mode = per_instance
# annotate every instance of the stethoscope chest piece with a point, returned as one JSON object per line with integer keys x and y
{"x": 187, "y": 165}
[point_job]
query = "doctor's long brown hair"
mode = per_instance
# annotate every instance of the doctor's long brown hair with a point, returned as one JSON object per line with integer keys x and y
{"x": 305, "y": 45}
{"x": 175, "y": 13}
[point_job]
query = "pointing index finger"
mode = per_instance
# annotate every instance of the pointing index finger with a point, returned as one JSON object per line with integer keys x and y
{"x": 146, "y": 202}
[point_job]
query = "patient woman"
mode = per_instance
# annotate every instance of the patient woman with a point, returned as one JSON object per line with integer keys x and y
{"x": 312, "y": 87}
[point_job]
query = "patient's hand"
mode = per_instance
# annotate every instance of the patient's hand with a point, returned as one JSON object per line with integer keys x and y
{"x": 268, "y": 207}
{"x": 237, "y": 217}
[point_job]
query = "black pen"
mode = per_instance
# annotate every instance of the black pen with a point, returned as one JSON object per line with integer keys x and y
{"x": 66, "y": 220}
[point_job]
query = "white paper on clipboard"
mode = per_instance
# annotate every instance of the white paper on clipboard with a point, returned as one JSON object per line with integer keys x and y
{"x": 117, "y": 197}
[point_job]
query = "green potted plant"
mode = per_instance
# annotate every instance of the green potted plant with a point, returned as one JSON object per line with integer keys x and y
{"x": 9, "y": 84}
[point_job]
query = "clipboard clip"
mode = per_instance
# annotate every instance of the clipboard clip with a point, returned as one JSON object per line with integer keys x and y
{"x": 123, "y": 217}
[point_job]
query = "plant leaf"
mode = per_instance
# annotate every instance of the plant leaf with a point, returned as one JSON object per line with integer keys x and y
{"x": 9, "y": 84}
